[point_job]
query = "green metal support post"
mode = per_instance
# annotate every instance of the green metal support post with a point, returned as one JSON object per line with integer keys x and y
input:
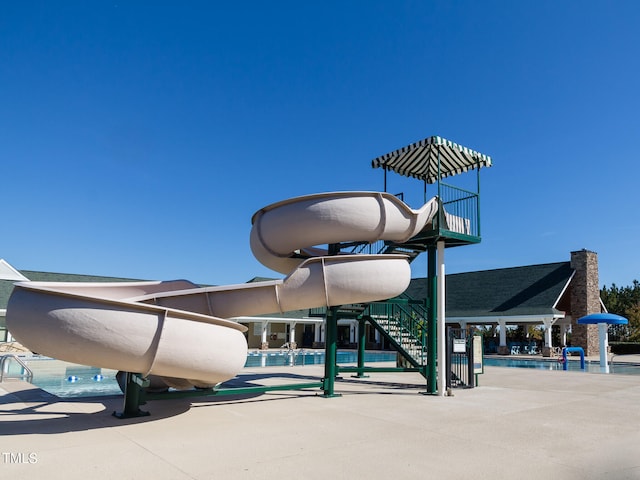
{"x": 361, "y": 347}
{"x": 133, "y": 396}
{"x": 330, "y": 353}
{"x": 432, "y": 320}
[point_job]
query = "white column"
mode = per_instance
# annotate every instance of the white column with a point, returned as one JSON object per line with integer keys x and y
{"x": 441, "y": 322}
{"x": 316, "y": 332}
{"x": 604, "y": 344}
{"x": 264, "y": 332}
{"x": 548, "y": 323}
{"x": 352, "y": 331}
{"x": 503, "y": 332}
{"x": 292, "y": 333}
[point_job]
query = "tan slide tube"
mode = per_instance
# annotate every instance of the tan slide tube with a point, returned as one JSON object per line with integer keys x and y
{"x": 175, "y": 329}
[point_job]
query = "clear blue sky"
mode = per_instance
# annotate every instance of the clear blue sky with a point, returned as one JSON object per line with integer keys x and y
{"x": 137, "y": 138}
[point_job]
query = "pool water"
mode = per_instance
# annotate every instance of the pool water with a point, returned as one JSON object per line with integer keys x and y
{"x": 553, "y": 364}
{"x": 312, "y": 357}
{"x": 68, "y": 380}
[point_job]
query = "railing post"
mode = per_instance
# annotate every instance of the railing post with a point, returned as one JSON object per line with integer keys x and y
{"x": 449, "y": 356}
{"x": 470, "y": 361}
{"x": 478, "y": 198}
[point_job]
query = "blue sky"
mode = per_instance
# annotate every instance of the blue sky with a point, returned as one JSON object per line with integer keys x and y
{"x": 137, "y": 138}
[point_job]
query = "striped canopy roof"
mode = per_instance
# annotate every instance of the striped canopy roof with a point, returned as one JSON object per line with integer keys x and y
{"x": 420, "y": 159}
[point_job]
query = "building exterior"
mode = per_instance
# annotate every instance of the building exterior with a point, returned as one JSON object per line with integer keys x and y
{"x": 548, "y": 295}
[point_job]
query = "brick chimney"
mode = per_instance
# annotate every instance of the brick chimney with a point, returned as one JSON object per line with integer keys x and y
{"x": 585, "y": 300}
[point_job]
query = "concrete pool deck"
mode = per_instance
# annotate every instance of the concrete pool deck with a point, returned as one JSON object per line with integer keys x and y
{"x": 519, "y": 423}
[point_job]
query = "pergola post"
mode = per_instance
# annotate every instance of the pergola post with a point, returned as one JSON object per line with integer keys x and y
{"x": 548, "y": 340}
{"x": 292, "y": 335}
{"x": 502, "y": 347}
{"x": 264, "y": 343}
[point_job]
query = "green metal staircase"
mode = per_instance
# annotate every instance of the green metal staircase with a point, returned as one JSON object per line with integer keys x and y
{"x": 384, "y": 247}
{"x": 402, "y": 323}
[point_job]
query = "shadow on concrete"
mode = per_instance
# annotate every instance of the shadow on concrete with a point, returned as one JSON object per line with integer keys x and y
{"x": 26, "y": 409}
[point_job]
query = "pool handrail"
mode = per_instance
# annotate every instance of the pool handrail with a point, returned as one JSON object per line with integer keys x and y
{"x": 26, "y": 375}
{"x": 566, "y": 350}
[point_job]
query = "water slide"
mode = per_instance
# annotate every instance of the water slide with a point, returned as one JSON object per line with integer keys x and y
{"x": 183, "y": 335}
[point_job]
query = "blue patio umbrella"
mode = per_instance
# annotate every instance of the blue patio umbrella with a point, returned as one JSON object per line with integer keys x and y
{"x": 608, "y": 318}
{"x": 603, "y": 320}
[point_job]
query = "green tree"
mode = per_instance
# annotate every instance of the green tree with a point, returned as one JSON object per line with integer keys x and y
{"x": 624, "y": 301}
{"x": 633, "y": 315}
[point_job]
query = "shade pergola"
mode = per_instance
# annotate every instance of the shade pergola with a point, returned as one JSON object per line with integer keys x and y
{"x": 432, "y": 159}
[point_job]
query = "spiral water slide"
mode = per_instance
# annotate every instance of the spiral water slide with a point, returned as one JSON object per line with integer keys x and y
{"x": 181, "y": 334}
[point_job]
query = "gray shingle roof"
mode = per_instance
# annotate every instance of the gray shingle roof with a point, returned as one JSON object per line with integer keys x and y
{"x": 528, "y": 290}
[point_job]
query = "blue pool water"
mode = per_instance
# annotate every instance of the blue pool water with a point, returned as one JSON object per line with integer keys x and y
{"x": 66, "y": 379}
{"x": 553, "y": 364}
{"x": 312, "y": 357}
{"x": 69, "y": 380}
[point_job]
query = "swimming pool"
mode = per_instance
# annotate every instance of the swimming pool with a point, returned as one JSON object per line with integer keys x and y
{"x": 68, "y": 380}
{"x": 619, "y": 368}
{"x": 259, "y": 358}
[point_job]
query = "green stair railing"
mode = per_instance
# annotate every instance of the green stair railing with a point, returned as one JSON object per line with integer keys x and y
{"x": 364, "y": 247}
{"x": 404, "y": 326}
{"x": 402, "y": 322}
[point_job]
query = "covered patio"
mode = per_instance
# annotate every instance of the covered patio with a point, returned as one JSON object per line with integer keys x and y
{"x": 532, "y": 295}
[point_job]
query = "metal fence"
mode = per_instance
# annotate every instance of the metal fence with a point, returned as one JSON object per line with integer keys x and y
{"x": 460, "y": 361}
